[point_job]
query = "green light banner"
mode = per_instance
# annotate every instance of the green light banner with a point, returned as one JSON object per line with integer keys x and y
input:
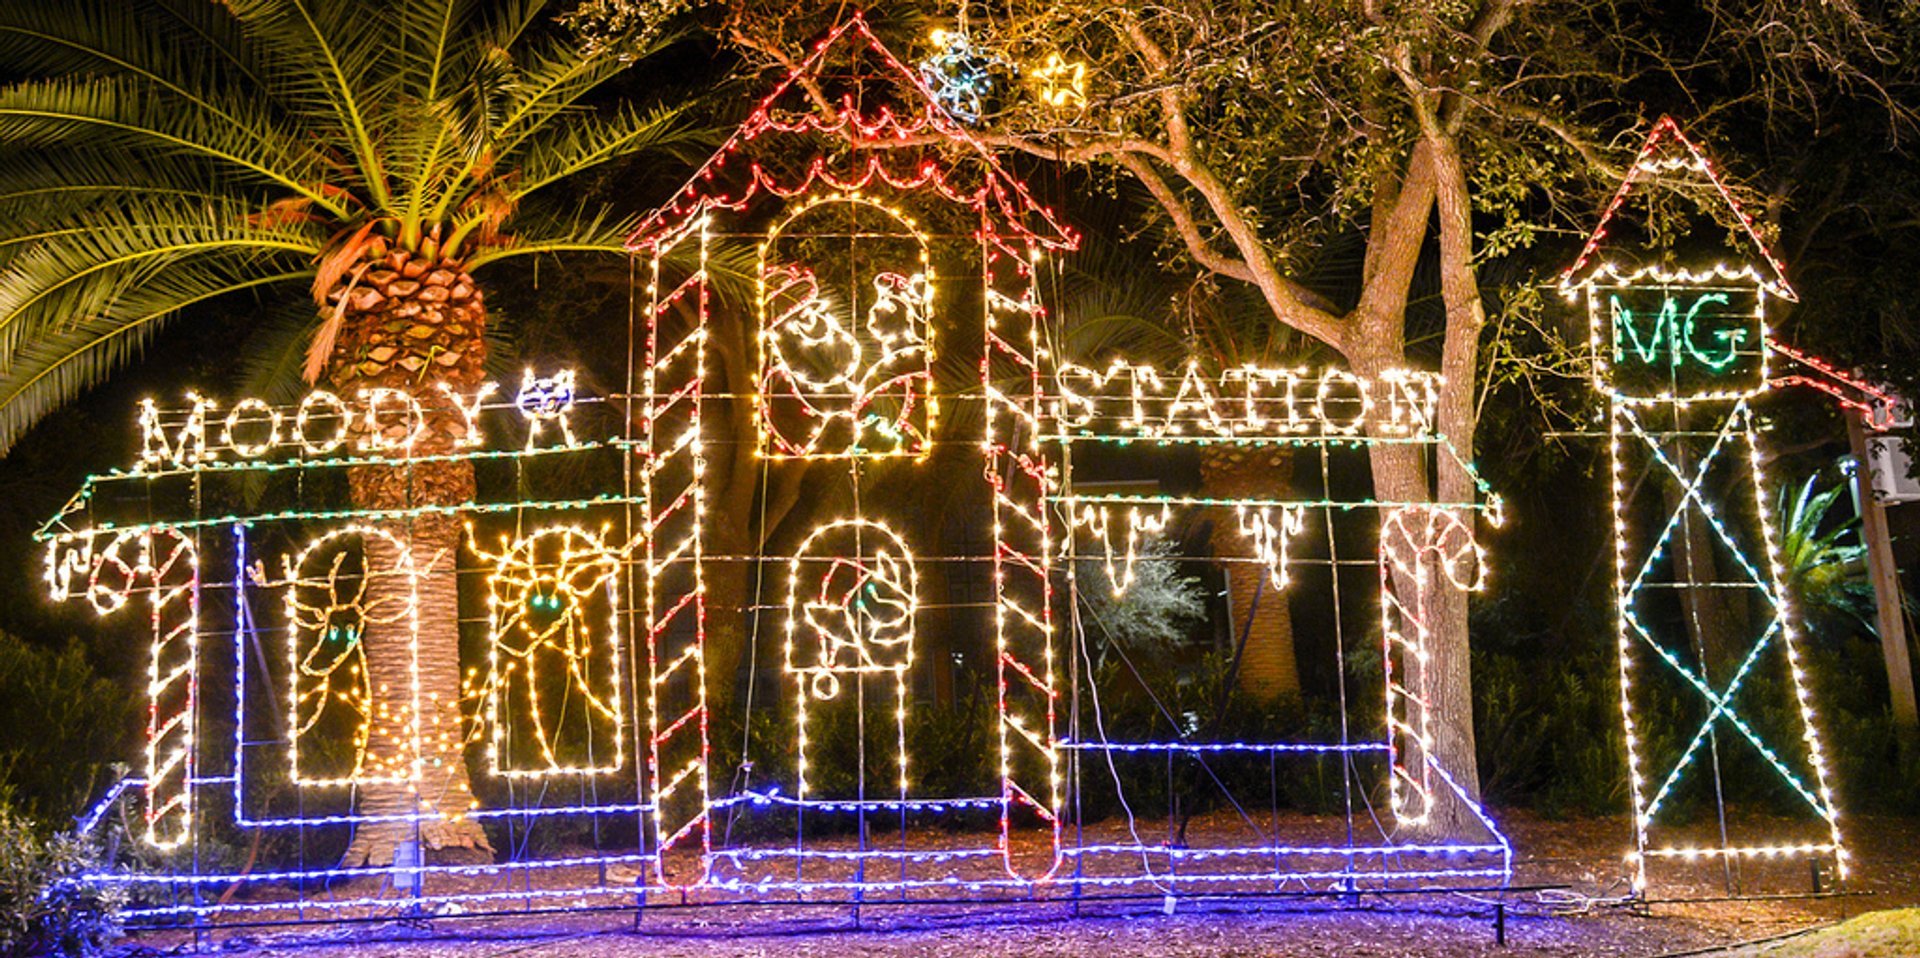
{"x": 1678, "y": 341}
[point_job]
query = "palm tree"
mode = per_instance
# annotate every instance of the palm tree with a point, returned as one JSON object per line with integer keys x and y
{"x": 370, "y": 156}
{"x": 1826, "y": 575}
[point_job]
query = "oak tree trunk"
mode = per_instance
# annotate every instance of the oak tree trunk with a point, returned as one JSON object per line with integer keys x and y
{"x": 1400, "y": 475}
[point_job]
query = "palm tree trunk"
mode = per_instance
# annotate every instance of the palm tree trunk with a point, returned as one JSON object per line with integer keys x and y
{"x": 1262, "y": 614}
{"x": 411, "y": 325}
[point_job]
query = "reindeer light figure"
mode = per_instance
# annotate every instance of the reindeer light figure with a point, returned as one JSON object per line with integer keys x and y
{"x": 331, "y": 600}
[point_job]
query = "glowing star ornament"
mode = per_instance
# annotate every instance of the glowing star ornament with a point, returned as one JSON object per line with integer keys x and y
{"x": 1678, "y": 354}
{"x": 1062, "y": 83}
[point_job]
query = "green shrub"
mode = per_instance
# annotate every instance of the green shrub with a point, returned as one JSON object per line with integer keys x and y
{"x": 40, "y": 912}
{"x": 61, "y": 725}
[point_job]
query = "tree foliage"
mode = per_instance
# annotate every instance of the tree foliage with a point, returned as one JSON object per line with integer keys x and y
{"x": 167, "y": 154}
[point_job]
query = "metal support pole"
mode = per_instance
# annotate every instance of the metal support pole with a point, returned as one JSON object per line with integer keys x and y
{"x": 1886, "y": 591}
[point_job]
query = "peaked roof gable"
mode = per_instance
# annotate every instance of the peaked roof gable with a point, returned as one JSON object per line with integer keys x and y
{"x": 1668, "y": 150}
{"x": 883, "y": 140}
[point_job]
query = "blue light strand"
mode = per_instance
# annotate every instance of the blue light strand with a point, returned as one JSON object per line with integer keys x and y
{"x": 1103, "y": 881}
{"x": 873, "y": 854}
{"x": 342, "y": 904}
{"x": 1759, "y": 743}
{"x": 303, "y": 875}
{"x": 1201, "y": 854}
{"x": 755, "y": 888}
{"x": 773, "y": 797}
{"x": 90, "y": 820}
{"x": 1692, "y": 491}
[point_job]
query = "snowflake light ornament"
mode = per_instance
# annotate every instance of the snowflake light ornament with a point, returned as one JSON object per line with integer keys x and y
{"x": 959, "y": 75}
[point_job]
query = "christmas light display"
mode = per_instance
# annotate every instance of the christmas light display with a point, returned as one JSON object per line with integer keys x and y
{"x": 553, "y": 614}
{"x": 1877, "y": 407}
{"x": 331, "y": 600}
{"x": 376, "y": 423}
{"x": 845, "y": 359}
{"x": 1062, "y": 83}
{"x": 1679, "y": 354}
{"x": 600, "y": 607}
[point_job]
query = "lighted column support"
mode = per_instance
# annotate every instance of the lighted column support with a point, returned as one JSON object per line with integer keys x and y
{"x": 1021, "y": 478}
{"x": 673, "y": 503}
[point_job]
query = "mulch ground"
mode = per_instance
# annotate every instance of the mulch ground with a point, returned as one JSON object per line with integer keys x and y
{"x": 1692, "y": 912}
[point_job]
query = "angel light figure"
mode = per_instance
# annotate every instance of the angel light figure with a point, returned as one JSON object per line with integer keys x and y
{"x": 552, "y": 694}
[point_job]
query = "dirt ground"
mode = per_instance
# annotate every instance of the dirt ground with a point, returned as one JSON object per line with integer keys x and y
{"x": 1584, "y": 915}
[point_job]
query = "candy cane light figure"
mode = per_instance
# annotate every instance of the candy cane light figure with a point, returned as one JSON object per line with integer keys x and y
{"x": 1423, "y": 549}
{"x": 552, "y": 692}
{"x": 162, "y": 566}
{"x": 1699, "y": 592}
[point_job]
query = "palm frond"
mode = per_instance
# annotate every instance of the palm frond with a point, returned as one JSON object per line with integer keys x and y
{"x": 329, "y": 63}
{"x": 109, "y": 114}
{"x": 271, "y": 357}
{"x": 429, "y": 31}
{"x": 118, "y": 39}
{"x": 582, "y": 231}
{"x": 132, "y": 253}
{"x": 587, "y": 141}
{"x": 51, "y": 369}
{"x": 39, "y": 188}
{"x": 549, "y": 80}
